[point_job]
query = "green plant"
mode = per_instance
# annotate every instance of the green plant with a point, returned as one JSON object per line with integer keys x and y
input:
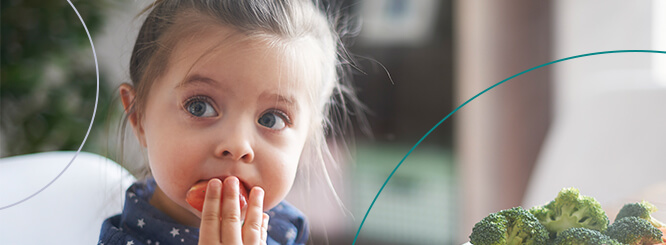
{"x": 48, "y": 79}
{"x": 570, "y": 209}
{"x": 507, "y": 227}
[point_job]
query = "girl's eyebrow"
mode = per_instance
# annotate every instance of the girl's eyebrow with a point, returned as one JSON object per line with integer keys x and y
{"x": 281, "y": 98}
{"x": 196, "y": 78}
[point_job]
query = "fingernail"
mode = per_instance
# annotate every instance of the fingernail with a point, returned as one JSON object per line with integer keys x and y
{"x": 215, "y": 184}
{"x": 233, "y": 180}
{"x": 259, "y": 192}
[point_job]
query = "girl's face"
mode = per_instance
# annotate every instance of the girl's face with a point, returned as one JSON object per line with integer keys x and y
{"x": 223, "y": 110}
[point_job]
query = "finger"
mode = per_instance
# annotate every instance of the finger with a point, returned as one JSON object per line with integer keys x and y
{"x": 254, "y": 218}
{"x": 264, "y": 229}
{"x": 231, "y": 219}
{"x": 209, "y": 232}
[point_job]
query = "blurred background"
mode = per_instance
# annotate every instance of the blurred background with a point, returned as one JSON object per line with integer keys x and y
{"x": 591, "y": 122}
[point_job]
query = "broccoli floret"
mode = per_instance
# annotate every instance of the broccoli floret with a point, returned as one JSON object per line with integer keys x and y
{"x": 641, "y": 210}
{"x": 634, "y": 231}
{"x": 571, "y": 210}
{"x": 491, "y": 230}
{"x": 583, "y": 236}
{"x": 511, "y": 227}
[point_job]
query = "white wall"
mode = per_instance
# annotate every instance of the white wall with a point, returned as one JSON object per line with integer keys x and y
{"x": 114, "y": 48}
{"x": 115, "y": 42}
{"x": 609, "y": 114}
{"x": 599, "y": 25}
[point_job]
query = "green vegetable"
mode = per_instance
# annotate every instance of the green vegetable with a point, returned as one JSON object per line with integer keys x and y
{"x": 641, "y": 210}
{"x": 583, "y": 236}
{"x": 634, "y": 231}
{"x": 509, "y": 226}
{"x": 571, "y": 210}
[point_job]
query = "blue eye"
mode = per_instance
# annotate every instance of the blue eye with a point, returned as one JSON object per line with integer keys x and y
{"x": 273, "y": 120}
{"x": 199, "y": 107}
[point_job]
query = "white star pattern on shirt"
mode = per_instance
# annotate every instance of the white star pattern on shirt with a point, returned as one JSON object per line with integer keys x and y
{"x": 131, "y": 242}
{"x": 131, "y": 194}
{"x": 174, "y": 232}
{"x": 182, "y": 240}
{"x": 141, "y": 223}
{"x": 149, "y": 241}
{"x": 290, "y": 234}
{"x": 187, "y": 230}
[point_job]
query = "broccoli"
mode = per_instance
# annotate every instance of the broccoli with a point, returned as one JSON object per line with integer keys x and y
{"x": 583, "y": 236}
{"x": 571, "y": 210}
{"x": 509, "y": 226}
{"x": 634, "y": 231}
{"x": 641, "y": 210}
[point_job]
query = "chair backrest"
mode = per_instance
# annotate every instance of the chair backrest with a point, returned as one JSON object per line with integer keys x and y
{"x": 611, "y": 146}
{"x": 71, "y": 210}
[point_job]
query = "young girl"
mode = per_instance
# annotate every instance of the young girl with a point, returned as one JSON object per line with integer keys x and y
{"x": 232, "y": 95}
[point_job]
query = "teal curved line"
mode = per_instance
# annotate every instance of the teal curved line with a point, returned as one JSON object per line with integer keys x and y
{"x": 477, "y": 95}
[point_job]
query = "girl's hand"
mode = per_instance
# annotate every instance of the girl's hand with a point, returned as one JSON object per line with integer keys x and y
{"x": 225, "y": 226}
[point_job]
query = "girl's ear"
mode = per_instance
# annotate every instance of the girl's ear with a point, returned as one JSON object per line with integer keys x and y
{"x": 127, "y": 95}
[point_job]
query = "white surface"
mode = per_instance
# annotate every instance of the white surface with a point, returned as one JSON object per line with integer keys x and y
{"x": 71, "y": 210}
{"x": 597, "y": 25}
{"x": 611, "y": 145}
{"x": 659, "y": 40}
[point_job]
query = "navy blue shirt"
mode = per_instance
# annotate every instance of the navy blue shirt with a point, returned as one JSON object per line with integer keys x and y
{"x": 142, "y": 224}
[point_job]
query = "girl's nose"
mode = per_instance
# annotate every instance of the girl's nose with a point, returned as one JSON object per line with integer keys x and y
{"x": 235, "y": 145}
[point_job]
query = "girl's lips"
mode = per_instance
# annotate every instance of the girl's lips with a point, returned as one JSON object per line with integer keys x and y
{"x": 197, "y": 194}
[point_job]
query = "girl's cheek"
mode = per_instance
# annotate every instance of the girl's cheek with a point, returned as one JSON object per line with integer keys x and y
{"x": 278, "y": 180}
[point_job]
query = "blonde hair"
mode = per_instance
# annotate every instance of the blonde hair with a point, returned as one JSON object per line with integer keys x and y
{"x": 280, "y": 23}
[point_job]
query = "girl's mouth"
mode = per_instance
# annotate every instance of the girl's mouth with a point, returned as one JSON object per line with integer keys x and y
{"x": 197, "y": 194}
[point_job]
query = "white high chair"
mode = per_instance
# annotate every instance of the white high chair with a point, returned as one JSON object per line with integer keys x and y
{"x": 71, "y": 210}
{"x": 611, "y": 146}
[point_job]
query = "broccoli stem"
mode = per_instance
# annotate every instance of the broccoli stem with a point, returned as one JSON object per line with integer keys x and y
{"x": 513, "y": 237}
{"x": 569, "y": 218}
